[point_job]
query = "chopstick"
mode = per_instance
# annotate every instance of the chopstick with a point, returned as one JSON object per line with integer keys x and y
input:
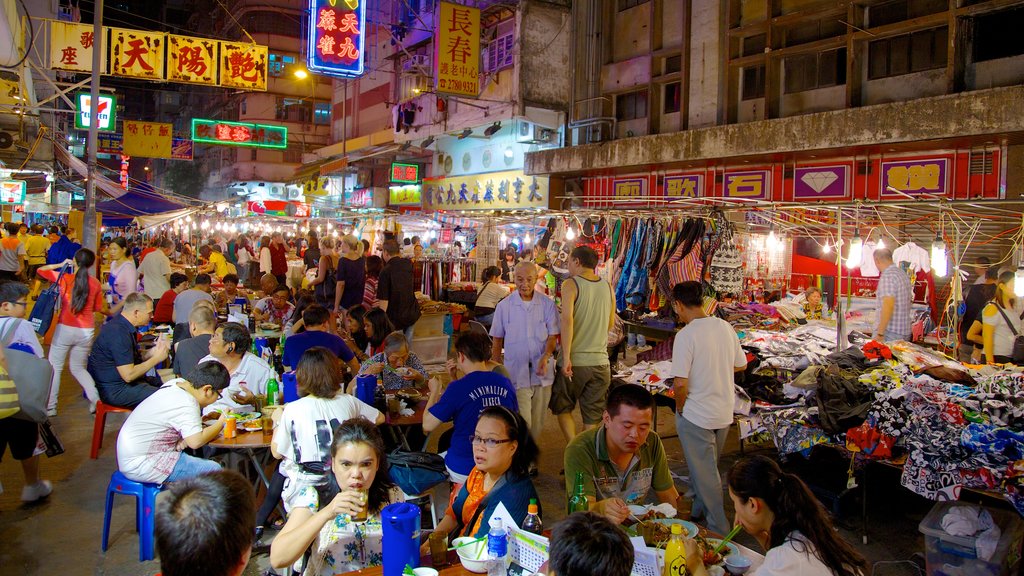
{"x": 725, "y": 541}
{"x": 464, "y": 544}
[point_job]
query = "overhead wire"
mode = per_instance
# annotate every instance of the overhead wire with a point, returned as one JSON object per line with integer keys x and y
{"x": 31, "y": 42}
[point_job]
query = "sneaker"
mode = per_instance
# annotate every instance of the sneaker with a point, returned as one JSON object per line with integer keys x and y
{"x": 92, "y": 407}
{"x": 37, "y": 491}
{"x": 51, "y": 412}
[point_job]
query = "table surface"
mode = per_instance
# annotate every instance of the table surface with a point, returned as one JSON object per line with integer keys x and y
{"x": 242, "y": 440}
{"x": 414, "y": 419}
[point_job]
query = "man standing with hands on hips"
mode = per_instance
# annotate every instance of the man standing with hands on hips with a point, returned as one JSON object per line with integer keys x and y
{"x": 705, "y": 355}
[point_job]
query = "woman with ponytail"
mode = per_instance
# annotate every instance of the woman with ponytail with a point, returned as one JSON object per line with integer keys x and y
{"x": 81, "y": 298}
{"x": 780, "y": 511}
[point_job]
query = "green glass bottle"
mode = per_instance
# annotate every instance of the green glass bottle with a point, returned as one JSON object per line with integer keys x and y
{"x": 578, "y": 501}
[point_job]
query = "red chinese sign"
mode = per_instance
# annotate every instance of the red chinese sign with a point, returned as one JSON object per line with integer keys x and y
{"x": 405, "y": 173}
{"x": 192, "y": 60}
{"x": 457, "y": 50}
{"x": 239, "y": 133}
{"x": 243, "y": 65}
{"x": 137, "y": 54}
{"x": 71, "y": 47}
{"x": 336, "y": 40}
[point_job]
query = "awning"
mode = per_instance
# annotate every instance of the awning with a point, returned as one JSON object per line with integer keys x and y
{"x": 149, "y": 222}
{"x": 108, "y": 186}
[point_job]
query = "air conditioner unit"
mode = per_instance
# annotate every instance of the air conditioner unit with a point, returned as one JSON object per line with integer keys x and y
{"x": 9, "y": 139}
{"x": 416, "y": 64}
{"x": 530, "y": 133}
{"x": 597, "y": 133}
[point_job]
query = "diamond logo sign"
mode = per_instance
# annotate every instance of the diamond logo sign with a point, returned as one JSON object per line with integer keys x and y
{"x": 821, "y": 182}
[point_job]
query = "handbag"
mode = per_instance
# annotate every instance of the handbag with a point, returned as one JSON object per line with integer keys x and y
{"x": 32, "y": 377}
{"x": 416, "y": 472}
{"x": 54, "y": 447}
{"x": 1018, "y": 339}
{"x": 46, "y": 306}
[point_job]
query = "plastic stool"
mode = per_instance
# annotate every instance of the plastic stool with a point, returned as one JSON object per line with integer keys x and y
{"x": 145, "y": 503}
{"x": 99, "y": 423}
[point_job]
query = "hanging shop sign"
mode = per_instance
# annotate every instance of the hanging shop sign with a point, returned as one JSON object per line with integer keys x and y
{"x": 913, "y": 177}
{"x": 12, "y": 192}
{"x": 405, "y": 173}
{"x": 278, "y": 208}
{"x": 684, "y": 186}
{"x": 510, "y": 190}
{"x": 243, "y": 66}
{"x": 821, "y": 182}
{"x": 748, "y": 184}
{"x": 147, "y": 139}
{"x": 106, "y": 111}
{"x": 192, "y": 60}
{"x": 405, "y": 195}
{"x": 359, "y": 198}
{"x": 316, "y": 186}
{"x": 71, "y": 47}
{"x": 628, "y": 189}
{"x": 239, "y": 133}
{"x": 457, "y": 50}
{"x": 181, "y": 148}
{"x": 137, "y": 54}
{"x": 336, "y": 38}
{"x": 124, "y": 171}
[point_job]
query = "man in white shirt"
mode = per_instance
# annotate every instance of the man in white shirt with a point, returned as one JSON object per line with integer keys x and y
{"x": 249, "y": 374}
{"x": 155, "y": 270}
{"x": 150, "y": 444}
{"x": 705, "y": 355}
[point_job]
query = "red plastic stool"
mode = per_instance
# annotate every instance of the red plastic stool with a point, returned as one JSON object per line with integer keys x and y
{"x": 99, "y": 423}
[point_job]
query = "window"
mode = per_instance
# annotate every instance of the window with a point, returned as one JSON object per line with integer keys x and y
{"x": 277, "y": 64}
{"x": 753, "y": 82}
{"x": 627, "y": 4}
{"x": 631, "y": 106}
{"x": 754, "y": 44}
{"x": 673, "y": 64}
{"x": 995, "y": 35}
{"x": 293, "y": 155}
{"x": 292, "y": 110}
{"x": 499, "y": 53}
{"x": 812, "y": 71}
{"x": 813, "y": 31}
{"x": 900, "y": 10}
{"x": 671, "y": 103}
{"x": 925, "y": 50}
{"x": 322, "y": 115}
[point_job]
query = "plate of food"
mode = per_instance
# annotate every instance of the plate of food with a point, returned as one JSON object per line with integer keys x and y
{"x": 252, "y": 426}
{"x": 656, "y": 532}
{"x": 707, "y": 547}
{"x": 410, "y": 394}
{"x": 245, "y": 417}
{"x": 268, "y": 326}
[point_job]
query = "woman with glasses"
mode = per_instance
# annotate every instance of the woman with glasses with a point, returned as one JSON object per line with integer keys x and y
{"x": 502, "y": 452}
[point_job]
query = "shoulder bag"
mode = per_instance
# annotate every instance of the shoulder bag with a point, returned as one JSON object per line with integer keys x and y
{"x": 416, "y": 472}
{"x": 47, "y": 304}
{"x": 1018, "y": 339}
{"x": 32, "y": 377}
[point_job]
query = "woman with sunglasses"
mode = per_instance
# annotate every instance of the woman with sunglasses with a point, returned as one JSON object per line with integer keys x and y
{"x": 502, "y": 452}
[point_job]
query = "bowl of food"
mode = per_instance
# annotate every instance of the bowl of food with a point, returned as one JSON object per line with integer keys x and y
{"x": 473, "y": 556}
{"x": 410, "y": 394}
{"x": 711, "y": 558}
{"x": 268, "y": 326}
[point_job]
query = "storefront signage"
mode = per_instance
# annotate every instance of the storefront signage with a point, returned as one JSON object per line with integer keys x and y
{"x": 361, "y": 198}
{"x": 510, "y": 190}
{"x": 407, "y": 195}
{"x": 684, "y": 186}
{"x": 243, "y": 66}
{"x": 106, "y": 113}
{"x": 181, "y": 148}
{"x": 630, "y": 188}
{"x": 337, "y": 37}
{"x": 405, "y": 173}
{"x": 124, "y": 170}
{"x": 278, "y": 208}
{"x": 748, "y": 185}
{"x": 316, "y": 186}
{"x": 71, "y": 47}
{"x": 821, "y": 183}
{"x": 192, "y": 60}
{"x": 137, "y": 54}
{"x": 147, "y": 139}
{"x": 239, "y": 133}
{"x": 457, "y": 50}
{"x": 12, "y": 191}
{"x": 924, "y": 176}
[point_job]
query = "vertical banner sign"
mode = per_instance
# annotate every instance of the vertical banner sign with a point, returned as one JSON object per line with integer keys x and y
{"x": 106, "y": 112}
{"x": 147, "y": 139}
{"x": 192, "y": 60}
{"x": 924, "y": 176}
{"x": 137, "y": 54}
{"x": 684, "y": 186}
{"x": 821, "y": 183}
{"x": 12, "y": 192}
{"x": 71, "y": 47}
{"x": 124, "y": 171}
{"x": 337, "y": 37}
{"x": 749, "y": 185}
{"x": 243, "y": 66}
{"x": 457, "y": 50}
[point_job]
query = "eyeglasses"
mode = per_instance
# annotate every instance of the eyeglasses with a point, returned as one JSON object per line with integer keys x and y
{"x": 21, "y": 303}
{"x": 488, "y": 442}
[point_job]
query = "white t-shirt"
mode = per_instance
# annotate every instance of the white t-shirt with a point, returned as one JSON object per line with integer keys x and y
{"x": 253, "y": 372}
{"x": 154, "y": 269}
{"x": 795, "y": 557}
{"x": 706, "y": 351}
{"x": 23, "y": 336}
{"x": 1003, "y": 337}
{"x": 493, "y": 293}
{"x": 867, "y": 260}
{"x": 147, "y": 444}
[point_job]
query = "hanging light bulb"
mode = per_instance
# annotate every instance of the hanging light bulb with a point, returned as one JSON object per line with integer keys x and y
{"x": 570, "y": 234}
{"x": 503, "y": 238}
{"x": 880, "y": 245}
{"x": 1018, "y": 281}
{"x": 939, "y": 256}
{"x": 826, "y": 249}
{"x": 527, "y": 239}
{"x": 773, "y": 240}
{"x": 856, "y": 250}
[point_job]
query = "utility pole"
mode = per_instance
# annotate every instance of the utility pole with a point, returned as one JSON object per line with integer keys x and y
{"x": 89, "y": 226}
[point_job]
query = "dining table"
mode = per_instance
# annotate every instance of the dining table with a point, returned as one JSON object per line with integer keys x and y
{"x": 255, "y": 446}
{"x": 399, "y": 424}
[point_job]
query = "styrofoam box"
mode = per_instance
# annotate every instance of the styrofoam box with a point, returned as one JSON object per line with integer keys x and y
{"x": 429, "y": 325}
{"x": 948, "y": 555}
{"x": 430, "y": 350}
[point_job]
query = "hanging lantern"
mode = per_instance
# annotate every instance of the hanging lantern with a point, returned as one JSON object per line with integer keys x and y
{"x": 939, "y": 256}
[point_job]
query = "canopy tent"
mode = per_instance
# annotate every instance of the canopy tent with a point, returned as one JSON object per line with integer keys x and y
{"x": 139, "y": 201}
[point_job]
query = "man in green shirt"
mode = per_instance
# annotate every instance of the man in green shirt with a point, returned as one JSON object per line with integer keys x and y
{"x": 621, "y": 460}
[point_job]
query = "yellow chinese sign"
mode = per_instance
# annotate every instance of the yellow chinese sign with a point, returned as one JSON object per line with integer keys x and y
{"x": 71, "y": 47}
{"x": 192, "y": 60}
{"x": 752, "y": 185}
{"x": 510, "y": 190}
{"x": 630, "y": 188}
{"x": 457, "y": 50}
{"x": 137, "y": 54}
{"x": 147, "y": 139}
{"x": 243, "y": 66}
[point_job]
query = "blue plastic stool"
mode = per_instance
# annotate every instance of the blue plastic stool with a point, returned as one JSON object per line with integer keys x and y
{"x": 145, "y": 504}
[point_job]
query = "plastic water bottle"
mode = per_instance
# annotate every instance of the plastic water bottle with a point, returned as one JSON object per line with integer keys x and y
{"x": 532, "y": 521}
{"x": 497, "y": 549}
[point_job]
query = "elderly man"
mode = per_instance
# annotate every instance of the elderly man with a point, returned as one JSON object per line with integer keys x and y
{"x": 892, "y": 299}
{"x": 201, "y": 324}
{"x": 526, "y": 326}
{"x": 229, "y": 345}
{"x": 116, "y": 363}
{"x": 155, "y": 270}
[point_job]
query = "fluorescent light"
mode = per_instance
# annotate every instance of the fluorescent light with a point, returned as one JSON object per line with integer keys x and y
{"x": 856, "y": 251}
{"x": 939, "y": 257}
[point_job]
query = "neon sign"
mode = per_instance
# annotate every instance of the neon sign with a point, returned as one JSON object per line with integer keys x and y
{"x": 405, "y": 173}
{"x": 239, "y": 133}
{"x": 336, "y": 37}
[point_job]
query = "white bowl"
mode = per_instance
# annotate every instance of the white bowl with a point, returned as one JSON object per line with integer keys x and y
{"x": 424, "y": 571}
{"x": 737, "y": 564}
{"x": 472, "y": 556}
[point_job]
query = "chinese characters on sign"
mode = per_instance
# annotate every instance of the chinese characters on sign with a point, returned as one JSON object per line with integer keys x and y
{"x": 137, "y": 54}
{"x": 105, "y": 114}
{"x": 494, "y": 191}
{"x": 192, "y": 60}
{"x": 147, "y": 139}
{"x": 181, "y": 148}
{"x": 821, "y": 183}
{"x": 630, "y": 188}
{"x": 684, "y": 186}
{"x": 337, "y": 37}
{"x": 12, "y": 192}
{"x": 407, "y": 195}
{"x": 752, "y": 185}
{"x": 405, "y": 173}
{"x": 71, "y": 47}
{"x": 924, "y": 176}
{"x": 243, "y": 65}
{"x": 239, "y": 133}
{"x": 457, "y": 50}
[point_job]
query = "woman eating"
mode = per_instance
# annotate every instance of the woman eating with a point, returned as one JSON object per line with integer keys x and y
{"x": 323, "y": 516}
{"x": 399, "y": 367}
{"x": 377, "y": 326}
{"x": 779, "y": 511}
{"x": 502, "y": 452}
{"x": 123, "y": 278}
{"x": 1001, "y": 322}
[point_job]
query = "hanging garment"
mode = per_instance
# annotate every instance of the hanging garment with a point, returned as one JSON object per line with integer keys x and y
{"x": 917, "y": 257}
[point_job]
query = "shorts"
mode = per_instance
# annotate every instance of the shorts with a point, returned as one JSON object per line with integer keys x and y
{"x": 588, "y": 387}
{"x": 21, "y": 435}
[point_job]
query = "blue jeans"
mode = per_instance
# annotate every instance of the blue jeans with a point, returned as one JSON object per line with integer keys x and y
{"x": 702, "y": 449}
{"x": 190, "y": 467}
